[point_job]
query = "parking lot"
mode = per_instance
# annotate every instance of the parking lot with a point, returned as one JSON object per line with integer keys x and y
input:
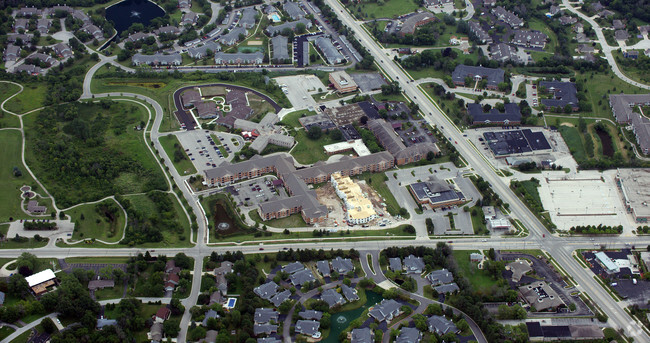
{"x": 415, "y": 134}
{"x": 250, "y": 193}
{"x": 299, "y": 89}
{"x": 204, "y": 151}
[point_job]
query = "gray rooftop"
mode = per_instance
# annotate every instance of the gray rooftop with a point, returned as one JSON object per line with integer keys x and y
{"x": 441, "y": 325}
{"x": 564, "y": 93}
{"x": 332, "y": 297}
{"x": 209, "y": 314}
{"x": 302, "y": 277}
{"x": 508, "y": 17}
{"x": 280, "y": 49}
{"x": 248, "y": 18}
{"x": 342, "y": 265}
{"x": 395, "y": 264}
{"x": 439, "y": 277}
{"x": 349, "y": 293}
{"x": 277, "y": 29}
{"x": 511, "y": 114}
{"x": 293, "y": 267}
{"x": 448, "y": 288}
{"x": 281, "y": 297}
{"x": 413, "y": 264}
{"x": 408, "y": 335}
{"x": 172, "y": 59}
{"x": 201, "y": 51}
{"x": 493, "y": 76}
{"x": 330, "y": 52}
{"x": 307, "y": 327}
{"x": 268, "y": 329}
{"x": 267, "y": 290}
{"x": 386, "y": 310}
{"x": 364, "y": 335}
{"x": 265, "y": 315}
{"x": 293, "y": 10}
{"x": 233, "y": 36}
{"x": 310, "y": 314}
{"x": 323, "y": 268}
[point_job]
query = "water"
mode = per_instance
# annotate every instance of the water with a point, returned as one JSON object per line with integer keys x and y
{"x": 341, "y": 320}
{"x": 128, "y": 12}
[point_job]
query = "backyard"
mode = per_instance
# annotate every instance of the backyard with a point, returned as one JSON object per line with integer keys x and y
{"x": 386, "y": 9}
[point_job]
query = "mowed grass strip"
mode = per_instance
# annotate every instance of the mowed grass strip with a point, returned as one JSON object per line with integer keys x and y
{"x": 32, "y": 97}
{"x": 184, "y": 165}
{"x": 389, "y": 9}
{"x": 573, "y": 139}
{"x": 10, "y": 186}
{"x": 96, "y": 225}
{"x": 478, "y": 278}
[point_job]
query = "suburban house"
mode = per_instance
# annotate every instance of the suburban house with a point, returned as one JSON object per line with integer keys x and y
{"x": 413, "y": 265}
{"x": 332, "y": 298}
{"x": 508, "y": 17}
{"x": 441, "y": 325}
{"x": 530, "y": 39}
{"x": 365, "y": 335}
{"x": 386, "y": 310}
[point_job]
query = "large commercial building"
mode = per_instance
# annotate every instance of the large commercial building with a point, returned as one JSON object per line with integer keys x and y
{"x": 342, "y": 82}
{"x": 541, "y": 296}
{"x": 436, "y": 193}
{"x": 493, "y": 76}
{"x": 359, "y": 209}
{"x": 635, "y": 187}
{"x": 564, "y": 93}
{"x": 393, "y": 143}
{"x": 510, "y": 116}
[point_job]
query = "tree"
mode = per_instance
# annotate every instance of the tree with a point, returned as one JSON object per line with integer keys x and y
{"x": 326, "y": 320}
{"x": 315, "y": 132}
{"x": 29, "y": 261}
{"x": 172, "y": 327}
{"x": 336, "y": 134}
{"x": 49, "y": 326}
{"x": 300, "y": 28}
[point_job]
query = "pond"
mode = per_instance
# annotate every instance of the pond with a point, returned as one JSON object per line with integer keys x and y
{"x": 341, "y": 320}
{"x": 223, "y": 223}
{"x": 606, "y": 140}
{"x": 128, "y": 12}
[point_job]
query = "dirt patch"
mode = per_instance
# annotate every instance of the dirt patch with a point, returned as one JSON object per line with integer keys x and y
{"x": 568, "y": 125}
{"x": 255, "y": 42}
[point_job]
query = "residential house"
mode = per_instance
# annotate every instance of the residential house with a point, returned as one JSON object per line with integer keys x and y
{"x": 280, "y": 49}
{"x": 342, "y": 265}
{"x": 162, "y": 314}
{"x": 216, "y": 298}
{"x": 365, "y": 335}
{"x": 329, "y": 51}
{"x": 184, "y": 3}
{"x": 43, "y": 26}
{"x": 20, "y": 24}
{"x": 293, "y": 267}
{"x": 28, "y": 12}
{"x": 631, "y": 54}
{"x": 42, "y": 58}
{"x": 247, "y": 19}
{"x": 265, "y": 315}
{"x": 2, "y": 298}
{"x": 311, "y": 315}
{"x": 280, "y": 297}
{"x": 349, "y": 293}
{"x": 167, "y": 30}
{"x": 277, "y": 29}
{"x": 209, "y": 314}
{"x": 409, "y": 335}
{"x": 529, "y": 39}
{"x": 554, "y": 10}
{"x": 156, "y": 332}
{"x": 508, "y": 17}
{"x": 332, "y": 298}
{"x": 448, "y": 288}
{"x": 29, "y": 69}
{"x": 189, "y": 18}
{"x": 233, "y": 36}
{"x": 267, "y": 329}
{"x": 440, "y": 277}
{"x": 137, "y": 36}
{"x": 386, "y": 310}
{"x": 490, "y": 3}
{"x": 441, "y": 325}
{"x": 481, "y": 35}
{"x": 413, "y": 265}
{"x": 94, "y": 31}
{"x": 294, "y": 10}
{"x": 476, "y": 257}
{"x": 202, "y": 51}
{"x": 221, "y": 272}
{"x": 621, "y": 35}
{"x": 267, "y": 290}
{"x": 395, "y": 264}
{"x": 323, "y": 268}
{"x": 503, "y": 52}
{"x": 618, "y": 24}
{"x": 308, "y": 328}
{"x": 12, "y": 53}
{"x": 578, "y": 28}
{"x": 63, "y": 50}
{"x": 567, "y": 20}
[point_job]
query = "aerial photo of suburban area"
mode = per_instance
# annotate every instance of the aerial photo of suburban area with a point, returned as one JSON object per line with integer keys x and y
{"x": 354, "y": 171}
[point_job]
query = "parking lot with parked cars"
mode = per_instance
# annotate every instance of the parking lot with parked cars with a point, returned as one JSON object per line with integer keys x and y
{"x": 203, "y": 150}
{"x": 253, "y": 192}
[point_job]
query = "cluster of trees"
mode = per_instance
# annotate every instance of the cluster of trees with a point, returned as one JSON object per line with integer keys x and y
{"x": 143, "y": 227}
{"x": 39, "y": 226}
{"x": 71, "y": 141}
{"x": 642, "y": 63}
{"x": 489, "y": 197}
{"x": 596, "y": 230}
{"x": 369, "y": 140}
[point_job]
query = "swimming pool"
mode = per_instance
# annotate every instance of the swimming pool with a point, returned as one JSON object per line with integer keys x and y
{"x": 275, "y": 18}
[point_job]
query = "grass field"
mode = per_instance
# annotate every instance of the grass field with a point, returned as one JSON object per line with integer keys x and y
{"x": 536, "y": 24}
{"x": 5, "y": 331}
{"x": 170, "y": 143}
{"x": 170, "y": 239}
{"x": 599, "y": 86}
{"x": 431, "y": 72}
{"x": 10, "y": 186}
{"x": 294, "y": 220}
{"x": 389, "y": 9}
{"x": 291, "y": 119}
{"x": 378, "y": 183}
{"x": 110, "y": 293}
{"x": 573, "y": 139}
{"x": 8, "y": 120}
{"x": 478, "y": 278}
{"x": 96, "y": 225}
{"x": 101, "y": 259}
{"x": 531, "y": 188}
{"x": 308, "y": 151}
{"x": 32, "y": 97}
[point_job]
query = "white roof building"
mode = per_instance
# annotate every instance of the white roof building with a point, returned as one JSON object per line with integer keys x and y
{"x": 607, "y": 263}
{"x": 40, "y": 277}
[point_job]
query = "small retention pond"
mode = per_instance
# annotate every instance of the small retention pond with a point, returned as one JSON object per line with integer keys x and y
{"x": 341, "y": 320}
{"x": 606, "y": 141}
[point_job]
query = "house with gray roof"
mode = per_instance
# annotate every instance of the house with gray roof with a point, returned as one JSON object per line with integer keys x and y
{"x": 621, "y": 35}
{"x": 342, "y": 265}
{"x": 103, "y": 322}
{"x": 395, "y": 264}
{"x": 311, "y": 315}
{"x": 168, "y": 30}
{"x": 566, "y": 20}
{"x": 493, "y": 76}
{"x": 137, "y": 36}
{"x": 281, "y": 297}
{"x": 323, "y": 268}
{"x": 508, "y": 17}
{"x": 481, "y": 35}
{"x": 530, "y": 39}
{"x": 2, "y": 298}
{"x": 43, "y": 25}
{"x": 277, "y": 29}
{"x": 184, "y": 3}
{"x": 189, "y": 18}
{"x": 200, "y": 52}
{"x": 239, "y": 58}
{"x": 448, "y": 288}
{"x": 247, "y": 19}
{"x": 94, "y": 31}
{"x": 293, "y": 9}
{"x": 63, "y": 50}
{"x": 20, "y": 24}
{"x": 268, "y": 340}
{"x": 441, "y": 325}
{"x": 564, "y": 93}
{"x": 308, "y": 328}
{"x": 232, "y": 37}
{"x": 267, "y": 290}
{"x": 349, "y": 293}
{"x": 12, "y": 53}
{"x": 329, "y": 51}
{"x": 280, "y": 49}
{"x": 386, "y": 310}
{"x": 156, "y": 332}
{"x": 267, "y": 329}
{"x": 29, "y": 69}
{"x": 413, "y": 265}
{"x": 28, "y": 12}
{"x": 293, "y": 267}
{"x": 503, "y": 52}
{"x": 209, "y": 314}
{"x": 157, "y": 59}
{"x": 364, "y": 335}
{"x": 332, "y": 297}
{"x": 265, "y": 315}
{"x": 25, "y": 38}
{"x": 440, "y": 277}
{"x": 412, "y": 22}
{"x": 302, "y": 277}
{"x": 47, "y": 59}
{"x": 409, "y": 335}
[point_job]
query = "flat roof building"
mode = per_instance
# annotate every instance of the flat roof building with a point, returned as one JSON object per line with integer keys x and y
{"x": 356, "y": 145}
{"x": 541, "y": 296}
{"x": 330, "y": 52}
{"x": 635, "y": 188}
{"x": 40, "y": 281}
{"x": 342, "y": 82}
{"x": 510, "y": 116}
{"x": 412, "y": 22}
{"x": 359, "y": 209}
{"x": 606, "y": 262}
{"x": 395, "y": 146}
{"x": 493, "y": 76}
{"x": 436, "y": 193}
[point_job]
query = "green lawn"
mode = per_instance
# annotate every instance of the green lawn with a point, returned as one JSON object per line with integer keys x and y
{"x": 6, "y": 119}
{"x": 631, "y": 70}
{"x": 10, "y": 201}
{"x": 308, "y": 151}
{"x": 102, "y": 259}
{"x": 378, "y": 182}
{"x": 573, "y": 139}
{"x": 478, "y": 278}
{"x": 389, "y": 9}
{"x": 536, "y": 24}
{"x": 32, "y": 97}
{"x": 170, "y": 239}
{"x": 294, "y": 220}
{"x": 531, "y": 188}
{"x": 431, "y": 72}
{"x": 5, "y": 331}
{"x": 291, "y": 119}
{"x": 23, "y": 338}
{"x": 96, "y": 225}
{"x": 598, "y": 86}
{"x": 171, "y": 145}
{"x": 110, "y": 293}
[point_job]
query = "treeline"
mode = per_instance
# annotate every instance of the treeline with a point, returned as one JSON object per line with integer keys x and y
{"x": 39, "y": 226}
{"x": 50, "y": 3}
{"x": 70, "y": 145}
{"x": 149, "y": 227}
{"x": 596, "y": 230}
